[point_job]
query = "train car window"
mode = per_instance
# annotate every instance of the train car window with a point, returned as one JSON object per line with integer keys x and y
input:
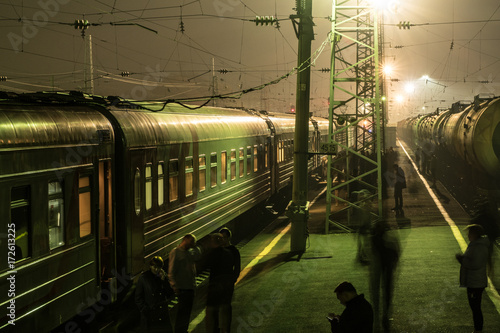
{"x": 255, "y": 159}
{"x": 202, "y": 173}
{"x": 149, "y": 186}
{"x": 85, "y": 206}
{"x": 173, "y": 180}
{"x": 223, "y": 167}
{"x": 213, "y": 169}
{"x": 56, "y": 215}
{"x": 286, "y": 150}
{"x": 242, "y": 163}
{"x": 161, "y": 184}
{"x": 233, "y": 164}
{"x": 137, "y": 191}
{"x": 249, "y": 159}
{"x": 266, "y": 153}
{"x": 188, "y": 176}
{"x": 20, "y": 220}
{"x": 280, "y": 151}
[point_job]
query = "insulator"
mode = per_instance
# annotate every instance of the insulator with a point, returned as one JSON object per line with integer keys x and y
{"x": 81, "y": 24}
{"x": 404, "y": 25}
{"x": 265, "y": 20}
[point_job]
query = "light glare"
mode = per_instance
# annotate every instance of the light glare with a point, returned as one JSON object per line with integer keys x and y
{"x": 409, "y": 88}
{"x": 387, "y": 69}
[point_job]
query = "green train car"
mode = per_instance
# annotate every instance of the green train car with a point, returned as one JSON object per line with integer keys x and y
{"x": 91, "y": 188}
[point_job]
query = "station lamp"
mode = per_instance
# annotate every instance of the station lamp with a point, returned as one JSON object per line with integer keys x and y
{"x": 409, "y": 88}
{"x": 389, "y": 5}
{"x": 387, "y": 69}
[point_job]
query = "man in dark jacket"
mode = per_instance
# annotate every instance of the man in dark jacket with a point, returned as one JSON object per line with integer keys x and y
{"x": 473, "y": 272}
{"x": 358, "y": 314}
{"x": 399, "y": 185}
{"x": 225, "y": 265}
{"x": 151, "y": 296}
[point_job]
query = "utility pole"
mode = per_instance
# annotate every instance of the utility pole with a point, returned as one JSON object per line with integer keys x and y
{"x": 91, "y": 66}
{"x": 214, "y": 83}
{"x": 298, "y": 209}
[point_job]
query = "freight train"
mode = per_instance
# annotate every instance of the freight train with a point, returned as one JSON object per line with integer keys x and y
{"x": 461, "y": 147}
{"x": 91, "y": 188}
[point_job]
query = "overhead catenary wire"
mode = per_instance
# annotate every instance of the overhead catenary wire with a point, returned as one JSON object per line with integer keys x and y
{"x": 237, "y": 94}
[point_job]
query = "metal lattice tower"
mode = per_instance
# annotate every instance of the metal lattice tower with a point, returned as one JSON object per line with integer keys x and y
{"x": 355, "y": 112}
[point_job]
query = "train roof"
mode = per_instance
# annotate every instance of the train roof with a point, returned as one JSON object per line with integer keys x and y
{"x": 177, "y": 124}
{"x": 26, "y": 124}
{"x": 50, "y": 118}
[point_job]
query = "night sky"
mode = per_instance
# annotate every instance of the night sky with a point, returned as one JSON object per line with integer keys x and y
{"x": 169, "y": 49}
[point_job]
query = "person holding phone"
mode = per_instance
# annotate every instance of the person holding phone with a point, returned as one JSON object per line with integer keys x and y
{"x": 357, "y": 316}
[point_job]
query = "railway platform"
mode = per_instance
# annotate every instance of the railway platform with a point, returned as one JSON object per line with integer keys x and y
{"x": 280, "y": 292}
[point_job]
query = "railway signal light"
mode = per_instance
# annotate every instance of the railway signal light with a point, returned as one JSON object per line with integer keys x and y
{"x": 267, "y": 20}
{"x": 404, "y": 25}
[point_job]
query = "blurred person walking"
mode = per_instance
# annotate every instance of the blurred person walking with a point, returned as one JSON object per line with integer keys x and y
{"x": 385, "y": 257}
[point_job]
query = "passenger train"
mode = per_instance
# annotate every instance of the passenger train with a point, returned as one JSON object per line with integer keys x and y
{"x": 464, "y": 140}
{"x": 91, "y": 188}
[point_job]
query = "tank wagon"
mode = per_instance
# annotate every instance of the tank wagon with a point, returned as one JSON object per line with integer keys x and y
{"x": 465, "y": 140}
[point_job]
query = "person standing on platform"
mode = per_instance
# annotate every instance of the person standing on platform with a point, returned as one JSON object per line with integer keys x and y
{"x": 433, "y": 169}
{"x": 473, "y": 274}
{"x": 399, "y": 185}
{"x": 225, "y": 265}
{"x": 182, "y": 277}
{"x": 418, "y": 155}
{"x": 151, "y": 295}
{"x": 358, "y": 314}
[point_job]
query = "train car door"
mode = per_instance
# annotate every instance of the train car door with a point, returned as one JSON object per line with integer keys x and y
{"x": 144, "y": 195}
{"x": 106, "y": 224}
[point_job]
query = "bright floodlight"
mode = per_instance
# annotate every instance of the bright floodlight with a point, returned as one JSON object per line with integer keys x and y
{"x": 385, "y": 4}
{"x": 409, "y": 88}
{"x": 399, "y": 98}
{"x": 387, "y": 69}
